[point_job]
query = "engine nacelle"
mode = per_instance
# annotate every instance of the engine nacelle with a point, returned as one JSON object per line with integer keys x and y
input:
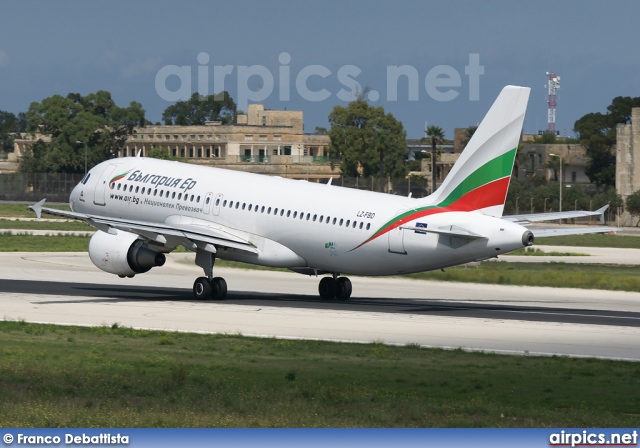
{"x": 124, "y": 253}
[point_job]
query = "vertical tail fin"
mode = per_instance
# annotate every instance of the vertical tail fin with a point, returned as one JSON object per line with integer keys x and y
{"x": 479, "y": 180}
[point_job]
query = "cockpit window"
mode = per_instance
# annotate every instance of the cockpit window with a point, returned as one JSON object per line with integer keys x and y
{"x": 86, "y": 178}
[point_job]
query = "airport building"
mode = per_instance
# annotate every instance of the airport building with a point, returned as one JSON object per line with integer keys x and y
{"x": 627, "y": 164}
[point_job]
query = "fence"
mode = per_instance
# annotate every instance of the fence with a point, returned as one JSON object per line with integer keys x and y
{"x": 57, "y": 187}
{"x": 32, "y": 187}
{"x": 418, "y": 187}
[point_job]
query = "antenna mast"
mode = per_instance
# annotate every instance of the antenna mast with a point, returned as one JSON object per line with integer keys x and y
{"x": 552, "y": 86}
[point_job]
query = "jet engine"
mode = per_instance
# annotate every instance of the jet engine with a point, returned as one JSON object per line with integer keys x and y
{"x": 124, "y": 253}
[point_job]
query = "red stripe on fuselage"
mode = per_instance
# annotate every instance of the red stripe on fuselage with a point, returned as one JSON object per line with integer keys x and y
{"x": 488, "y": 195}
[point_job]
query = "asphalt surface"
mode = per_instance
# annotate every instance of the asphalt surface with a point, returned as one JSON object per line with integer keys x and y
{"x": 104, "y": 293}
{"x": 65, "y": 288}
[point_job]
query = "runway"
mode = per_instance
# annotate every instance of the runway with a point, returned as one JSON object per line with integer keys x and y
{"x": 68, "y": 289}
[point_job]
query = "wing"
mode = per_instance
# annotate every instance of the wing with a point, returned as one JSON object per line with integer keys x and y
{"x": 175, "y": 231}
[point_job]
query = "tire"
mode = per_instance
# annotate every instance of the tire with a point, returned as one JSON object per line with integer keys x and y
{"x": 202, "y": 288}
{"x": 221, "y": 290}
{"x": 327, "y": 288}
{"x": 344, "y": 288}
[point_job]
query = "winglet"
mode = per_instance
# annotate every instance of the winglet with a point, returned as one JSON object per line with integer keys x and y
{"x": 601, "y": 211}
{"x": 37, "y": 208}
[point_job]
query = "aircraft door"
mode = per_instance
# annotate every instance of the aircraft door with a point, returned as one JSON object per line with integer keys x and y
{"x": 216, "y": 204}
{"x": 102, "y": 184}
{"x": 396, "y": 239}
{"x": 207, "y": 203}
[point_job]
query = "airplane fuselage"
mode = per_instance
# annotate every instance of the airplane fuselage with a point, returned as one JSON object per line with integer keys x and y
{"x": 293, "y": 224}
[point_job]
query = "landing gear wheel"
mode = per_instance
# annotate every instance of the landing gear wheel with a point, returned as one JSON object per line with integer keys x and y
{"x": 202, "y": 288}
{"x": 344, "y": 288}
{"x": 327, "y": 288}
{"x": 221, "y": 286}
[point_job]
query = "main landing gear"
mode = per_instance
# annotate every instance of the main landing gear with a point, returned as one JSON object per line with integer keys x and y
{"x": 204, "y": 289}
{"x": 208, "y": 287}
{"x": 335, "y": 288}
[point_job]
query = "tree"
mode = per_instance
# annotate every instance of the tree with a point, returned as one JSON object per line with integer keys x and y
{"x": 633, "y": 205}
{"x": 468, "y": 133}
{"x": 321, "y": 131}
{"x": 435, "y": 135}
{"x": 200, "y": 109}
{"x": 546, "y": 138}
{"x": 597, "y": 133}
{"x": 73, "y": 121}
{"x": 10, "y": 124}
{"x": 367, "y": 139}
{"x": 161, "y": 152}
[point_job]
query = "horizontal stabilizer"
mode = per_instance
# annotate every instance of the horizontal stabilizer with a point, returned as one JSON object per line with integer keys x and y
{"x": 448, "y": 230}
{"x": 540, "y": 217}
{"x": 541, "y": 233}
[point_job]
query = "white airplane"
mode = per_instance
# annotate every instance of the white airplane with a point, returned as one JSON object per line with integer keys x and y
{"x": 144, "y": 208}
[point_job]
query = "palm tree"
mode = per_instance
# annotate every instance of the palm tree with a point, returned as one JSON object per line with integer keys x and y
{"x": 435, "y": 135}
{"x": 468, "y": 133}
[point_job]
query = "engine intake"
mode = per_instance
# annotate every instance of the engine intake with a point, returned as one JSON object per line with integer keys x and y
{"x": 124, "y": 253}
{"x": 527, "y": 238}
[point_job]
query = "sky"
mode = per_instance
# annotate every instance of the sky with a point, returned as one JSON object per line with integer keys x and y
{"x": 454, "y": 56}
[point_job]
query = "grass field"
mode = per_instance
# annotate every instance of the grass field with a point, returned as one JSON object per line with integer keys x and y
{"x": 22, "y": 210}
{"x": 535, "y": 252}
{"x": 592, "y": 240}
{"x": 35, "y": 243}
{"x": 58, "y": 224}
{"x": 54, "y": 376}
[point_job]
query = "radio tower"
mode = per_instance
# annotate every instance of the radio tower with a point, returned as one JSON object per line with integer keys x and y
{"x": 554, "y": 83}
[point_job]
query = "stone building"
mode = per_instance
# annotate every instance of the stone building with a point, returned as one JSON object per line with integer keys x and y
{"x": 262, "y": 141}
{"x": 533, "y": 161}
{"x": 628, "y": 161}
{"x": 257, "y": 136}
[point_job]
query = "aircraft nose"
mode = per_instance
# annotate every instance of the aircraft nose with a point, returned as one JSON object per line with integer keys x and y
{"x": 76, "y": 195}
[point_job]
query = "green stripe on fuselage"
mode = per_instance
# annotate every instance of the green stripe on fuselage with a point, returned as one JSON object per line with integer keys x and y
{"x": 493, "y": 170}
